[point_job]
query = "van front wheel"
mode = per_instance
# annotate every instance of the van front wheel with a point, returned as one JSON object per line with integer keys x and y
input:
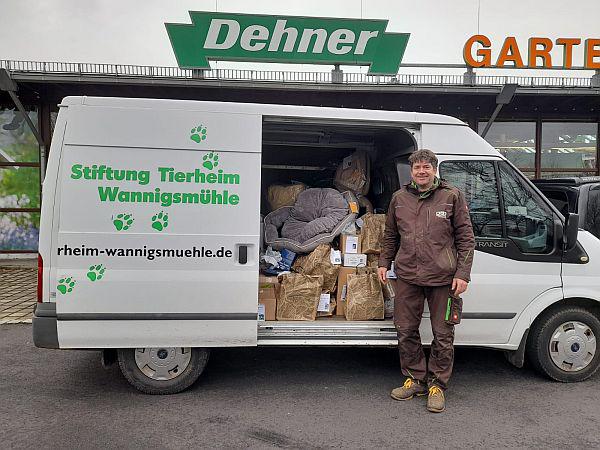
{"x": 162, "y": 370}
{"x": 563, "y": 344}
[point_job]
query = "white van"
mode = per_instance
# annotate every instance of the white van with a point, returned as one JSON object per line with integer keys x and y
{"x": 150, "y": 235}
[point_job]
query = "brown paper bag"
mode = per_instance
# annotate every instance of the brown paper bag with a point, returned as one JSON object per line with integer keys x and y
{"x": 353, "y": 174}
{"x": 373, "y": 260}
{"x": 283, "y": 195}
{"x": 371, "y": 233}
{"x": 298, "y": 296}
{"x": 364, "y": 299}
{"x": 318, "y": 262}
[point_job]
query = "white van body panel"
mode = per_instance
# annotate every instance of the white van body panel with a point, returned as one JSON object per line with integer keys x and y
{"x": 532, "y": 311}
{"x": 266, "y": 110}
{"x": 48, "y": 220}
{"x": 580, "y": 281}
{"x": 162, "y": 128}
{"x": 155, "y": 333}
{"x": 583, "y": 280}
{"x": 455, "y": 141}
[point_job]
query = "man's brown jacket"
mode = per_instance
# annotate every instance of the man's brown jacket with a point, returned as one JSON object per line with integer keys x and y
{"x": 430, "y": 237}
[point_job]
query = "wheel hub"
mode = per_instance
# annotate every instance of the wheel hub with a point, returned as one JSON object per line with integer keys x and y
{"x": 162, "y": 363}
{"x": 572, "y": 346}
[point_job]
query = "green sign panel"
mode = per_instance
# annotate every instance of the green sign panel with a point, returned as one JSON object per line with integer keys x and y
{"x": 286, "y": 39}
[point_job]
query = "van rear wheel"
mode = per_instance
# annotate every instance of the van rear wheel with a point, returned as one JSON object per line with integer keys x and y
{"x": 564, "y": 344}
{"x": 162, "y": 370}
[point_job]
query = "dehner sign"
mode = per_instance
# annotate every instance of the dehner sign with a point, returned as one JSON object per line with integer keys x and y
{"x": 286, "y": 39}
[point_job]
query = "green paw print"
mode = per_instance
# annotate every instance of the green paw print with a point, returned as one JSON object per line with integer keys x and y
{"x": 211, "y": 160}
{"x": 65, "y": 285}
{"x": 123, "y": 221}
{"x": 198, "y": 134}
{"x": 160, "y": 221}
{"x": 96, "y": 273}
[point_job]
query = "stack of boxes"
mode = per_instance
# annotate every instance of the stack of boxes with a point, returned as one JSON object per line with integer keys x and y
{"x": 267, "y": 297}
{"x": 351, "y": 258}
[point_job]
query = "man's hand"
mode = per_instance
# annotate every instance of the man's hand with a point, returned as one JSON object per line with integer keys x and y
{"x": 382, "y": 271}
{"x": 459, "y": 286}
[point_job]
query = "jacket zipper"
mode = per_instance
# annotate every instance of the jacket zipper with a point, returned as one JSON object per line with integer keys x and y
{"x": 428, "y": 209}
{"x": 450, "y": 259}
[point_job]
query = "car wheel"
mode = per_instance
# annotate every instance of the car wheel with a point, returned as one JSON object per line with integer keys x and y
{"x": 563, "y": 344}
{"x": 162, "y": 370}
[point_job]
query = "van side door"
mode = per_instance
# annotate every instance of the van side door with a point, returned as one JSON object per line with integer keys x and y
{"x": 158, "y": 233}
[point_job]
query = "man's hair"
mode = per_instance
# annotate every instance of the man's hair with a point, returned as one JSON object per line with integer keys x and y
{"x": 423, "y": 155}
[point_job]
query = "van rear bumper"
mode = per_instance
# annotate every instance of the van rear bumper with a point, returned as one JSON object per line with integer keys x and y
{"x": 45, "y": 332}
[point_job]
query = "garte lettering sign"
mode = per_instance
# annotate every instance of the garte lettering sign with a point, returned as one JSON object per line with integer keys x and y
{"x": 286, "y": 39}
{"x": 538, "y": 56}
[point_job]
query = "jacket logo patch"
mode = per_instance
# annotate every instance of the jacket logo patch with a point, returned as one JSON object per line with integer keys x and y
{"x": 441, "y": 214}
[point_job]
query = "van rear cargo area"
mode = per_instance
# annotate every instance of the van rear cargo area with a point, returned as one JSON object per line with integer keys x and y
{"x": 300, "y": 155}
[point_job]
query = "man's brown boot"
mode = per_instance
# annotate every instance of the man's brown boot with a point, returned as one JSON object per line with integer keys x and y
{"x": 436, "y": 402}
{"x": 409, "y": 390}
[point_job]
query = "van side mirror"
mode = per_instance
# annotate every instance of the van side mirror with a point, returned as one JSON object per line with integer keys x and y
{"x": 571, "y": 230}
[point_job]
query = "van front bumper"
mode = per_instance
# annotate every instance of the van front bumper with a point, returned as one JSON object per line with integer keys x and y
{"x": 45, "y": 332}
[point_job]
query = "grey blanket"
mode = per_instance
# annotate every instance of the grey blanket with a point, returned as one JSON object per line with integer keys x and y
{"x": 316, "y": 211}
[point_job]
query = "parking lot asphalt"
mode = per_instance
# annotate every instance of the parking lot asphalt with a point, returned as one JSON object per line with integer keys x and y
{"x": 285, "y": 398}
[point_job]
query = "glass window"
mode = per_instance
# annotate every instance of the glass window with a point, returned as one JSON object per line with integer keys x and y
{"x": 592, "y": 215}
{"x": 19, "y": 187}
{"x": 17, "y": 142}
{"x": 529, "y": 221}
{"x": 19, "y": 231}
{"x": 569, "y": 146}
{"x": 477, "y": 180}
{"x": 19, "y": 181}
{"x": 514, "y": 140}
{"x": 558, "y": 199}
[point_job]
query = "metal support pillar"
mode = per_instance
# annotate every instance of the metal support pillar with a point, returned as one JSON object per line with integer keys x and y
{"x": 7, "y": 84}
{"x": 503, "y": 98}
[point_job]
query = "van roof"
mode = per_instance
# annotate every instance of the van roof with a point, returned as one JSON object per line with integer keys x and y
{"x": 268, "y": 109}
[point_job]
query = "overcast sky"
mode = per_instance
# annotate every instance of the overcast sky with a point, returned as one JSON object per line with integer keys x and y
{"x": 133, "y": 32}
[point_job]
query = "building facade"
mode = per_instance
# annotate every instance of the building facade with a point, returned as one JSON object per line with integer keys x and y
{"x": 549, "y": 127}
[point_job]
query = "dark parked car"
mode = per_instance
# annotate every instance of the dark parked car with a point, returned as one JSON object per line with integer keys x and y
{"x": 580, "y": 195}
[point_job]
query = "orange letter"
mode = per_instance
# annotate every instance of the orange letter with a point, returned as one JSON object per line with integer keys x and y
{"x": 485, "y": 51}
{"x": 592, "y": 52}
{"x": 568, "y": 44}
{"x": 510, "y": 52}
{"x": 543, "y": 52}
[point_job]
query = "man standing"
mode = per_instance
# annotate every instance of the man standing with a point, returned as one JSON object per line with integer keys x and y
{"x": 429, "y": 236}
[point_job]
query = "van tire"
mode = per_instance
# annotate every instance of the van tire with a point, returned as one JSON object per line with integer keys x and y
{"x": 147, "y": 385}
{"x": 538, "y": 348}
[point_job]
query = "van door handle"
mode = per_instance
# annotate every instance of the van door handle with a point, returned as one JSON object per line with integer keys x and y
{"x": 242, "y": 254}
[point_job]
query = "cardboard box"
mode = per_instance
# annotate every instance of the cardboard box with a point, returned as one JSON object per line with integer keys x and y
{"x": 266, "y": 282}
{"x": 349, "y": 243}
{"x": 341, "y": 289}
{"x": 355, "y": 260}
{"x": 267, "y": 303}
{"x": 268, "y": 291}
